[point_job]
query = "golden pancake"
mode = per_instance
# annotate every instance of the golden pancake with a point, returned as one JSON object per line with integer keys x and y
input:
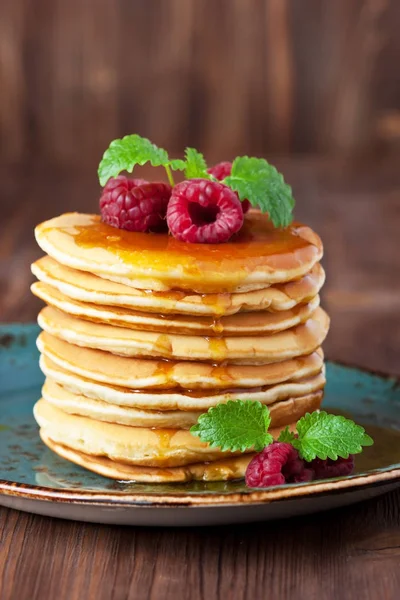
{"x": 282, "y": 411}
{"x": 172, "y": 399}
{"x": 132, "y": 445}
{"x": 235, "y": 325}
{"x": 256, "y": 257}
{"x": 78, "y": 404}
{"x": 250, "y": 350}
{"x": 137, "y": 374}
{"x": 219, "y": 470}
{"x": 85, "y": 287}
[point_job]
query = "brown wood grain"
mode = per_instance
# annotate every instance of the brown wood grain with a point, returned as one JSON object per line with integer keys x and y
{"x": 351, "y": 553}
{"x": 227, "y": 76}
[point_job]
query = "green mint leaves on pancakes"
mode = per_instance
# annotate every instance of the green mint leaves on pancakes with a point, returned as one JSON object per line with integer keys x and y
{"x": 253, "y": 179}
{"x": 243, "y": 425}
{"x": 132, "y": 150}
{"x": 195, "y": 165}
{"x": 262, "y": 185}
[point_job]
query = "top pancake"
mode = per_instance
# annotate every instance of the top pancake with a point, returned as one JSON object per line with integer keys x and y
{"x": 259, "y": 255}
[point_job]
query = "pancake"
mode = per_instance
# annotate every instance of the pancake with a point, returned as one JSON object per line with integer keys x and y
{"x": 235, "y": 325}
{"x": 219, "y": 470}
{"x": 257, "y": 256}
{"x": 85, "y": 287}
{"x": 132, "y": 445}
{"x": 250, "y": 350}
{"x": 137, "y": 374}
{"x": 78, "y": 404}
{"x": 170, "y": 400}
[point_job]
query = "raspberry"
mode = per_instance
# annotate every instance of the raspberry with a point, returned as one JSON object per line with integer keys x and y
{"x": 325, "y": 469}
{"x": 135, "y": 204}
{"x": 222, "y": 170}
{"x": 204, "y": 212}
{"x": 278, "y": 463}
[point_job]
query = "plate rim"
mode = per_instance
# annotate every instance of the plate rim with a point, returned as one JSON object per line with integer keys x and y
{"x": 144, "y": 500}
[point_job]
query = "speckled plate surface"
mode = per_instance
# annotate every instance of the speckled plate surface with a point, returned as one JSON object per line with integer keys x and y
{"x": 34, "y": 479}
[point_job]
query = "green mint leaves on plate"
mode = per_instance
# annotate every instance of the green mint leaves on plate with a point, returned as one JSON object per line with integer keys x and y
{"x": 262, "y": 185}
{"x": 236, "y": 425}
{"x": 251, "y": 178}
{"x": 243, "y": 425}
{"x": 132, "y": 150}
{"x": 322, "y": 435}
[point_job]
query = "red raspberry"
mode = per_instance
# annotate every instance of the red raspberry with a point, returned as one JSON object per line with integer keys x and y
{"x": 278, "y": 463}
{"x": 204, "y": 212}
{"x": 135, "y": 204}
{"x": 222, "y": 170}
{"x": 325, "y": 469}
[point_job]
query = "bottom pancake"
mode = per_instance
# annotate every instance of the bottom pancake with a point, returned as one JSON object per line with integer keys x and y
{"x": 219, "y": 470}
{"x": 141, "y": 446}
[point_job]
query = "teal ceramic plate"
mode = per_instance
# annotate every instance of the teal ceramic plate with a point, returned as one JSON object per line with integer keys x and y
{"x": 34, "y": 479}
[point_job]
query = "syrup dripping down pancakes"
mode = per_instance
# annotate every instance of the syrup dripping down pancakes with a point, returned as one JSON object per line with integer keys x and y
{"x": 142, "y": 333}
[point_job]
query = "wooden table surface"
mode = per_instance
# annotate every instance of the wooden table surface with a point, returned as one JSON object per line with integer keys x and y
{"x": 351, "y": 553}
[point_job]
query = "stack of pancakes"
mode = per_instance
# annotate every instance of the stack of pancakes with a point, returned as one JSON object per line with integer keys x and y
{"x": 143, "y": 333}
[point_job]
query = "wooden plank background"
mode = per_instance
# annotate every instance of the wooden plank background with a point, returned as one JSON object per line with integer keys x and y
{"x": 227, "y": 76}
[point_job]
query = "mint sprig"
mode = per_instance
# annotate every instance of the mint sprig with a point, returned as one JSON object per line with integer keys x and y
{"x": 195, "y": 165}
{"x": 243, "y": 425}
{"x": 252, "y": 178}
{"x": 263, "y": 186}
{"x": 322, "y": 435}
{"x": 236, "y": 425}
{"x": 124, "y": 154}
{"x": 286, "y": 435}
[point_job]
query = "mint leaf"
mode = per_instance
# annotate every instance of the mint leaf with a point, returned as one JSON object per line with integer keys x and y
{"x": 177, "y": 164}
{"x": 131, "y": 150}
{"x": 196, "y": 165}
{"x": 322, "y": 435}
{"x": 259, "y": 182}
{"x": 286, "y": 436}
{"x": 236, "y": 425}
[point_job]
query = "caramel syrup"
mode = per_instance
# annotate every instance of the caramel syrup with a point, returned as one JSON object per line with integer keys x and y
{"x": 217, "y": 326}
{"x": 252, "y": 247}
{"x": 220, "y": 302}
{"x": 163, "y": 344}
{"x": 164, "y": 437}
{"x": 218, "y": 348}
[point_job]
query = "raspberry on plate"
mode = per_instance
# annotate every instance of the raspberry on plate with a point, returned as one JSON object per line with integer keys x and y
{"x": 204, "y": 212}
{"x": 277, "y": 464}
{"x": 222, "y": 170}
{"x": 135, "y": 204}
{"x": 325, "y": 469}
